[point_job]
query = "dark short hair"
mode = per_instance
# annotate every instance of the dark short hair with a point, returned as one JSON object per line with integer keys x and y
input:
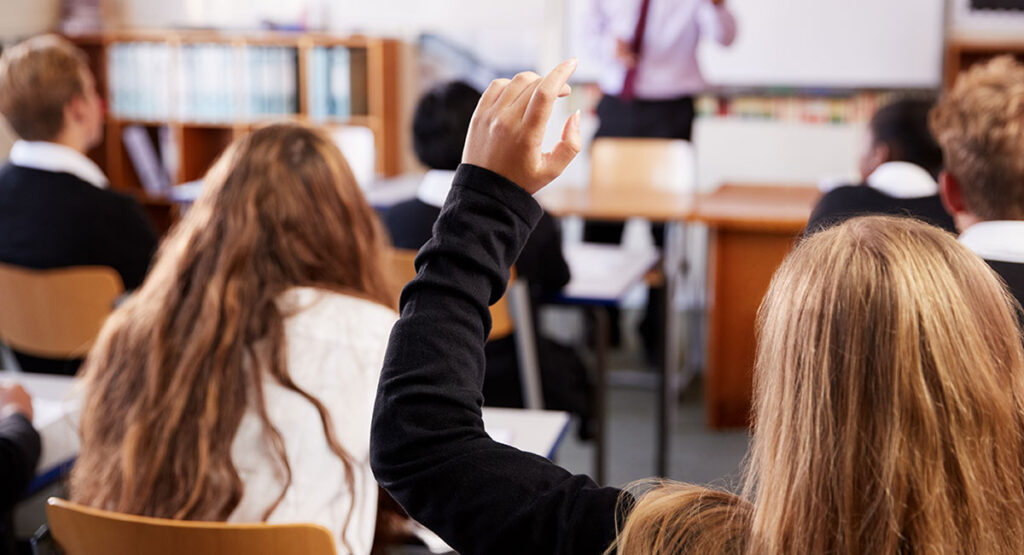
{"x": 441, "y": 122}
{"x": 902, "y": 125}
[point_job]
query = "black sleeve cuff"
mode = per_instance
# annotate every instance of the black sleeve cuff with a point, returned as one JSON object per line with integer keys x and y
{"x": 493, "y": 185}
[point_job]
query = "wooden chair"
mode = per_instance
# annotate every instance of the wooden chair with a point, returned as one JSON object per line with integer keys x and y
{"x": 80, "y": 530}
{"x": 628, "y": 163}
{"x": 55, "y": 313}
{"x": 510, "y": 315}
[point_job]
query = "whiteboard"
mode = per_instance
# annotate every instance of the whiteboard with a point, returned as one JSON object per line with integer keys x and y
{"x": 831, "y": 43}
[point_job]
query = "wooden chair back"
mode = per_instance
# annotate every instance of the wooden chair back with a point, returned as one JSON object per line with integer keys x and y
{"x": 629, "y": 163}
{"x": 404, "y": 269}
{"x": 80, "y": 530}
{"x": 55, "y": 313}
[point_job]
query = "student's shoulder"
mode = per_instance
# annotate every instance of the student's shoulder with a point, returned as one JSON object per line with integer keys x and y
{"x": 320, "y": 312}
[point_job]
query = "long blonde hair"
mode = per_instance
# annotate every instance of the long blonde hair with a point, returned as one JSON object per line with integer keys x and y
{"x": 176, "y": 368}
{"x": 889, "y": 402}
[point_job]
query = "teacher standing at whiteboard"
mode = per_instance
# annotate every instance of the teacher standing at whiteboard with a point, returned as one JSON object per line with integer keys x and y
{"x": 649, "y": 51}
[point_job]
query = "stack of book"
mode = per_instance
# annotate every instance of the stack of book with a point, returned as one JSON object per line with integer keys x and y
{"x": 330, "y": 83}
{"x": 139, "y": 80}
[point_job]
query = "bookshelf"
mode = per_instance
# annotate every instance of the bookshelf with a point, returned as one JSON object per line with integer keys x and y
{"x": 962, "y": 53}
{"x": 199, "y": 90}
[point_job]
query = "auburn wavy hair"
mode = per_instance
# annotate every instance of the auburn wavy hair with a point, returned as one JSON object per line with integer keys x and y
{"x": 888, "y": 409}
{"x": 177, "y": 366}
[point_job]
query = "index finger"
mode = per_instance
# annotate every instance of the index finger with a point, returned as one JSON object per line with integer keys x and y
{"x": 543, "y": 98}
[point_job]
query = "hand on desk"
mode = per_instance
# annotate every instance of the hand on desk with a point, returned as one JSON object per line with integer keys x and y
{"x": 508, "y": 126}
{"x": 14, "y": 400}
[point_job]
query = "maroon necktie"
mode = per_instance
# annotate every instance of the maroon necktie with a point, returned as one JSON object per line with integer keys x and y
{"x": 629, "y": 84}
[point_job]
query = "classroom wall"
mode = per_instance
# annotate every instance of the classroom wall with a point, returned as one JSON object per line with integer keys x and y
{"x": 27, "y": 17}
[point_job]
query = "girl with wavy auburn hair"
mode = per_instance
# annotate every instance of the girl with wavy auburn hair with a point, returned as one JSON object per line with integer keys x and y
{"x": 237, "y": 383}
{"x": 889, "y": 398}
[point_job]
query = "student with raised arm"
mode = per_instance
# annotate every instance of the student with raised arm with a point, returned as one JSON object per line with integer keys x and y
{"x": 864, "y": 442}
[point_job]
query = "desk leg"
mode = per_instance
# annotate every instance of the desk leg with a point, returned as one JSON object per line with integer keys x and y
{"x": 669, "y": 393}
{"x": 600, "y": 401}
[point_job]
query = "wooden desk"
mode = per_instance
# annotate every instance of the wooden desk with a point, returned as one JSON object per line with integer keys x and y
{"x": 672, "y": 209}
{"x": 751, "y": 229}
{"x": 616, "y": 204}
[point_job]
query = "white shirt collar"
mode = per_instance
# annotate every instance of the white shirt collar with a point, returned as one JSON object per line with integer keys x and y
{"x": 52, "y": 157}
{"x": 903, "y": 180}
{"x": 435, "y": 186}
{"x": 1000, "y": 241}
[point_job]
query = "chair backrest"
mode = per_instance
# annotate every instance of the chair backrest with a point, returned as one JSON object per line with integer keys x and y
{"x": 80, "y": 530}
{"x": 661, "y": 164}
{"x": 404, "y": 269}
{"x": 55, "y": 313}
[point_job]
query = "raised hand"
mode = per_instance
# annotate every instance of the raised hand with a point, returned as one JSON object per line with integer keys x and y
{"x": 508, "y": 126}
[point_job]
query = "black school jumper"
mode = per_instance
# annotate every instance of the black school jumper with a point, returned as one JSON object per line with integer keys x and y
{"x": 55, "y": 220}
{"x": 850, "y": 201}
{"x": 428, "y": 447}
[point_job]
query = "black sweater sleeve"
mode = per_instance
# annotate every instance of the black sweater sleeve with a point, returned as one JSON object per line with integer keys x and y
{"x": 19, "y": 453}
{"x": 428, "y": 446}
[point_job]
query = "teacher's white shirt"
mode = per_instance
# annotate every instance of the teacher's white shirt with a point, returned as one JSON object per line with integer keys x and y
{"x": 668, "y": 65}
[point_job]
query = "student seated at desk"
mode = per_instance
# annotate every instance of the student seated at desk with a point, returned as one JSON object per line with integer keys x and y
{"x": 889, "y": 388}
{"x": 899, "y": 169}
{"x": 439, "y": 133}
{"x": 237, "y": 383}
{"x": 979, "y": 125}
{"x": 19, "y": 455}
{"x": 56, "y": 209}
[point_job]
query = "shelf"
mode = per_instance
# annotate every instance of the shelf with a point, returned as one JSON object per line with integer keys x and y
{"x": 376, "y": 80}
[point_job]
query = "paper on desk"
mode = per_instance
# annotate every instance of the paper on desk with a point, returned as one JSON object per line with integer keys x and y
{"x": 605, "y": 272}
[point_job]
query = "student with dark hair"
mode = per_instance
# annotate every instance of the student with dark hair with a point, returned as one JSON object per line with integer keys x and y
{"x": 899, "y": 171}
{"x": 439, "y": 132}
{"x": 55, "y": 206}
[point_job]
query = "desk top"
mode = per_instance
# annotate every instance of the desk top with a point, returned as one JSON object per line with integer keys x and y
{"x": 768, "y": 208}
{"x": 603, "y": 274}
{"x": 616, "y": 204}
{"x": 56, "y": 407}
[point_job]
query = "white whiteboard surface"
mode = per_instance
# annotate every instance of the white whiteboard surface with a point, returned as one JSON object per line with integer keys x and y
{"x": 831, "y": 43}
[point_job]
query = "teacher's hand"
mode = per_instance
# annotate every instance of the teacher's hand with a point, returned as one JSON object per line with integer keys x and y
{"x": 508, "y": 126}
{"x": 718, "y": 2}
{"x": 625, "y": 54}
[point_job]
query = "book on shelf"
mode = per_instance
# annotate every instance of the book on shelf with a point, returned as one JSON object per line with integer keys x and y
{"x": 152, "y": 174}
{"x": 329, "y": 79}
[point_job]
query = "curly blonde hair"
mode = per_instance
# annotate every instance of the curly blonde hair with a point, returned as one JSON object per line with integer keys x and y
{"x": 980, "y": 126}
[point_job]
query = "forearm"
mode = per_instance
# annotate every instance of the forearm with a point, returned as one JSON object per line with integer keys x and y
{"x": 19, "y": 454}
{"x": 429, "y": 448}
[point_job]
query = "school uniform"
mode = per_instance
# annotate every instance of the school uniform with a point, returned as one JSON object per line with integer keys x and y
{"x": 56, "y": 211}
{"x": 428, "y": 446}
{"x": 19, "y": 453}
{"x": 335, "y": 346}
{"x": 894, "y": 188}
{"x": 1001, "y": 245}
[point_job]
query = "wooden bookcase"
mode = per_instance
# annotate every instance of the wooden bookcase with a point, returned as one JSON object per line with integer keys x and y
{"x": 963, "y": 53}
{"x": 376, "y": 96}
